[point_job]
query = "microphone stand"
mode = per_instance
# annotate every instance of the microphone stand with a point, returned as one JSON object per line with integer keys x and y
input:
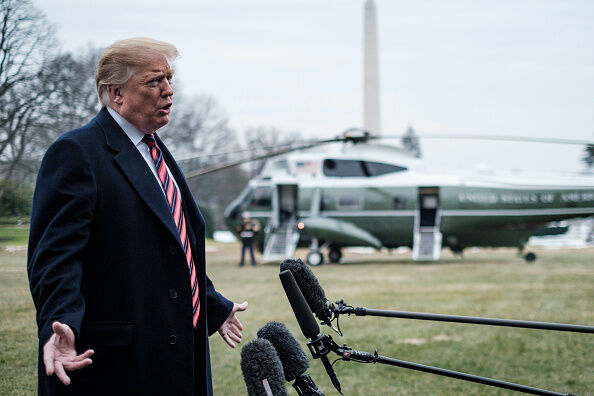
{"x": 342, "y": 308}
{"x": 323, "y": 344}
{"x": 305, "y": 386}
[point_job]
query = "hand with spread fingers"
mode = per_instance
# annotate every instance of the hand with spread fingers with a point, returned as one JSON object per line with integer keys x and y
{"x": 231, "y": 328}
{"x": 59, "y": 353}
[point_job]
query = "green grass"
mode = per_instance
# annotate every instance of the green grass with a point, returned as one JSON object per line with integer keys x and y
{"x": 14, "y": 235}
{"x": 18, "y": 331}
{"x": 494, "y": 283}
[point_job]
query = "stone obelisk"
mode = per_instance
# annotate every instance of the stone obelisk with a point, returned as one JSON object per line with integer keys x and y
{"x": 371, "y": 101}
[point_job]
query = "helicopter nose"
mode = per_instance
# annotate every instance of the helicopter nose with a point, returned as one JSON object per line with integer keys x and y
{"x": 233, "y": 213}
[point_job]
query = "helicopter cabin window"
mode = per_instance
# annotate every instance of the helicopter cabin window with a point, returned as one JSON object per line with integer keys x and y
{"x": 261, "y": 198}
{"x": 280, "y": 165}
{"x": 357, "y": 168}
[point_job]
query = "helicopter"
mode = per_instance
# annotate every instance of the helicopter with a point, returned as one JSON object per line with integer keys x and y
{"x": 357, "y": 190}
{"x": 354, "y": 191}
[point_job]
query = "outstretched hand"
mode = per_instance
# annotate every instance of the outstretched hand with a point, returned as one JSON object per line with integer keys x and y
{"x": 231, "y": 328}
{"x": 59, "y": 353}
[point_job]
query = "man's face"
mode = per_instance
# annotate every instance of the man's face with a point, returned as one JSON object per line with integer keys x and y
{"x": 147, "y": 96}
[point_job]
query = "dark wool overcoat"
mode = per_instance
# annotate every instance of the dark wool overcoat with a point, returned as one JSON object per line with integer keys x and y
{"x": 105, "y": 258}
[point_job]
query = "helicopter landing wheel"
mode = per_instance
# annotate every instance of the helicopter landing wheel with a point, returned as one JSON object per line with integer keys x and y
{"x": 334, "y": 255}
{"x": 530, "y": 257}
{"x": 315, "y": 258}
{"x": 457, "y": 250}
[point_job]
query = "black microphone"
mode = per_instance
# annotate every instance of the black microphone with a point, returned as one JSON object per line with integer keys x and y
{"x": 311, "y": 289}
{"x": 319, "y": 343}
{"x": 262, "y": 369}
{"x": 293, "y": 358}
{"x": 307, "y": 322}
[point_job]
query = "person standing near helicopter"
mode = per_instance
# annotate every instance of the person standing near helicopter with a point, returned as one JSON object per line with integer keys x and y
{"x": 247, "y": 231}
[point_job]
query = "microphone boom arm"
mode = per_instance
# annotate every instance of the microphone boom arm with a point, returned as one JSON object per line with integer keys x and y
{"x": 358, "y": 356}
{"x": 342, "y": 308}
{"x": 323, "y": 344}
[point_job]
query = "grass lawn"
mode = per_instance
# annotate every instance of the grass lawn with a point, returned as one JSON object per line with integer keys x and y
{"x": 14, "y": 235}
{"x": 558, "y": 287}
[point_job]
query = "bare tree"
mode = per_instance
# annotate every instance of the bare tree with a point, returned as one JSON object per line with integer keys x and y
{"x": 198, "y": 125}
{"x": 198, "y": 130}
{"x": 26, "y": 42}
{"x": 265, "y": 139}
{"x": 45, "y": 92}
{"x": 69, "y": 101}
{"x": 410, "y": 142}
{"x": 74, "y": 82}
{"x": 588, "y": 157}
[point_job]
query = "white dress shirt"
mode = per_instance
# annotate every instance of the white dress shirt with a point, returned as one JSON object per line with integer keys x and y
{"x": 136, "y": 136}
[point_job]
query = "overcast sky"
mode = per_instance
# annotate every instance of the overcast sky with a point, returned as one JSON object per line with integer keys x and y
{"x": 507, "y": 67}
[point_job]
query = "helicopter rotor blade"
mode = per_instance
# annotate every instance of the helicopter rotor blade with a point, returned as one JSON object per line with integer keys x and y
{"x": 527, "y": 139}
{"x": 290, "y": 146}
{"x": 236, "y": 151}
{"x": 269, "y": 154}
{"x": 355, "y": 135}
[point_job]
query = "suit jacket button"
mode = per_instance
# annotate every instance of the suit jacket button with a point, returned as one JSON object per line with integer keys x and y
{"x": 173, "y": 294}
{"x": 172, "y": 249}
{"x": 172, "y": 339}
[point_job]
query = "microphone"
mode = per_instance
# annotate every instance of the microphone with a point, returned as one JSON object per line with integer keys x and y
{"x": 293, "y": 358}
{"x": 320, "y": 345}
{"x": 307, "y": 322}
{"x": 262, "y": 369}
{"x": 311, "y": 289}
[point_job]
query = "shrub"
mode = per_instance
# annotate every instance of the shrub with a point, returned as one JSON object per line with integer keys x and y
{"x": 15, "y": 199}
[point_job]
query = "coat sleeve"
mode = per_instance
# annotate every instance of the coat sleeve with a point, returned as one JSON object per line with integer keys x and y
{"x": 63, "y": 203}
{"x": 219, "y": 307}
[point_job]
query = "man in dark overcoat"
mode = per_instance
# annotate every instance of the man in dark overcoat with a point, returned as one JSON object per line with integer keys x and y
{"x": 116, "y": 258}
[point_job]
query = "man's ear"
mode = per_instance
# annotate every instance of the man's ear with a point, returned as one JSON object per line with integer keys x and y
{"x": 115, "y": 94}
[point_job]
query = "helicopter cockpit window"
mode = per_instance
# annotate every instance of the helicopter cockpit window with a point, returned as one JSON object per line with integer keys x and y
{"x": 280, "y": 165}
{"x": 261, "y": 198}
{"x": 379, "y": 168}
{"x": 357, "y": 168}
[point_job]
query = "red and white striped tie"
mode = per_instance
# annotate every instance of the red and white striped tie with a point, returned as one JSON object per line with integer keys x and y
{"x": 174, "y": 200}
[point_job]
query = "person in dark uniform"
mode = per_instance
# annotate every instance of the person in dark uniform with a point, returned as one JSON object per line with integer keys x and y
{"x": 247, "y": 231}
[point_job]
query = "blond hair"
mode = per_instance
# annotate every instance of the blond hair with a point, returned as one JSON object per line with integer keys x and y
{"x": 119, "y": 61}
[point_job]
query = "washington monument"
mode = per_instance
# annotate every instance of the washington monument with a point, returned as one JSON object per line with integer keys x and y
{"x": 371, "y": 102}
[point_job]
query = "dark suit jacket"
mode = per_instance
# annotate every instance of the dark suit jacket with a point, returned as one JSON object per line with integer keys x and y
{"x": 105, "y": 258}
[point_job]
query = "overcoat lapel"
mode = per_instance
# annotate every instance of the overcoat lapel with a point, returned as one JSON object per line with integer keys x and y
{"x": 134, "y": 167}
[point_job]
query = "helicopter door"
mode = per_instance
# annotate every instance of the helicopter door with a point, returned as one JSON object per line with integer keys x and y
{"x": 282, "y": 236}
{"x": 287, "y": 204}
{"x": 427, "y": 237}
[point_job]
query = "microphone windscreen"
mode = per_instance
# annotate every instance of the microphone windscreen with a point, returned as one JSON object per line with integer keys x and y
{"x": 308, "y": 283}
{"x": 292, "y": 356}
{"x": 262, "y": 369}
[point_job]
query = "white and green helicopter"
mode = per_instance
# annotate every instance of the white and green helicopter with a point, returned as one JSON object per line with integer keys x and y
{"x": 354, "y": 191}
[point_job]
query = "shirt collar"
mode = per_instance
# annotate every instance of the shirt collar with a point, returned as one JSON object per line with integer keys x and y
{"x": 133, "y": 133}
